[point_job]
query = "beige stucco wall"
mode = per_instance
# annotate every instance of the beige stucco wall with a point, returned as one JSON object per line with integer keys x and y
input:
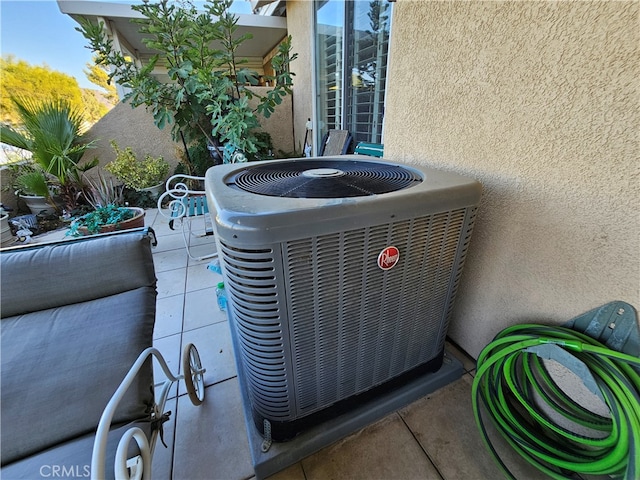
{"x": 131, "y": 127}
{"x": 539, "y": 101}
{"x": 134, "y": 127}
{"x": 300, "y": 27}
{"x": 280, "y": 124}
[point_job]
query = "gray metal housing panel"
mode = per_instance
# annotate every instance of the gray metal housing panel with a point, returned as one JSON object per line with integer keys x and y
{"x": 316, "y": 320}
{"x": 258, "y": 219}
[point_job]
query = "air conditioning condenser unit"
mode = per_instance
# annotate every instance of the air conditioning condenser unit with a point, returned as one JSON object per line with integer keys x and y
{"x": 341, "y": 275}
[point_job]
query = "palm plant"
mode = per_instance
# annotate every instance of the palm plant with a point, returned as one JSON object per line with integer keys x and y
{"x": 51, "y": 131}
{"x": 32, "y": 182}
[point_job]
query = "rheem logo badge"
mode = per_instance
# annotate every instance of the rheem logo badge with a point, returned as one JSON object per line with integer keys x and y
{"x": 388, "y": 258}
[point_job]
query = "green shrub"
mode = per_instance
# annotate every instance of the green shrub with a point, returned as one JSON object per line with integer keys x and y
{"x": 137, "y": 174}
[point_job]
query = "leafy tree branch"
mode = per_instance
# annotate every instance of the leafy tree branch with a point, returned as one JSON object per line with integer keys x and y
{"x": 207, "y": 95}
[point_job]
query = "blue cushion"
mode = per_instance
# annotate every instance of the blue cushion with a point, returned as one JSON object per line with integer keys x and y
{"x": 371, "y": 149}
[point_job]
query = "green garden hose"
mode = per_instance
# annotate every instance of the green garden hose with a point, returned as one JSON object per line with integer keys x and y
{"x": 512, "y": 379}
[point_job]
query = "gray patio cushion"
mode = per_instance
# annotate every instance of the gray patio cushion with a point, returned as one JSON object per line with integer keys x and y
{"x": 37, "y": 278}
{"x": 75, "y": 316}
{"x": 61, "y": 366}
{"x": 71, "y": 459}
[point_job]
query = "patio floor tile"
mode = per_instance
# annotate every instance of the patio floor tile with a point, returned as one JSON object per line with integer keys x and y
{"x": 169, "y": 260}
{"x": 211, "y": 441}
{"x": 150, "y": 215}
{"x": 168, "y": 316}
{"x": 216, "y": 352}
{"x": 202, "y": 250}
{"x": 444, "y": 425}
{"x": 200, "y": 277}
{"x": 202, "y": 240}
{"x": 384, "y": 450}
{"x": 171, "y": 241}
{"x": 294, "y": 472}
{"x": 201, "y": 308}
{"x": 171, "y": 282}
{"x": 161, "y": 223}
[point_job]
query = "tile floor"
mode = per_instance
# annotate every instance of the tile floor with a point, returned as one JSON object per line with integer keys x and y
{"x": 432, "y": 438}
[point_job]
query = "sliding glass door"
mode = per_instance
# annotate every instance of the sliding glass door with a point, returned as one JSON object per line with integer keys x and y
{"x": 352, "y": 44}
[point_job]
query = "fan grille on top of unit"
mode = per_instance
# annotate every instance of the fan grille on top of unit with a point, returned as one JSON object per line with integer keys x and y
{"x": 330, "y": 178}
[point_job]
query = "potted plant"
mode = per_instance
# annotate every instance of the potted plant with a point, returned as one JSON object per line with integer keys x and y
{"x": 35, "y": 187}
{"x": 109, "y": 218}
{"x": 51, "y": 131}
{"x": 108, "y": 214}
{"x": 147, "y": 174}
{"x": 21, "y": 179}
{"x": 32, "y": 187}
{"x": 6, "y": 238}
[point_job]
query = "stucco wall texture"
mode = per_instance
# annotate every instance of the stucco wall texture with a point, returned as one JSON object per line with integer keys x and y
{"x": 131, "y": 127}
{"x": 134, "y": 127}
{"x": 538, "y": 101}
{"x": 300, "y": 26}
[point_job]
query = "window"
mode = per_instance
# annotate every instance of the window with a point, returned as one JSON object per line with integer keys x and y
{"x": 352, "y": 43}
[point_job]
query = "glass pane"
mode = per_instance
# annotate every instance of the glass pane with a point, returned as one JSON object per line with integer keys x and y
{"x": 367, "y": 47}
{"x": 352, "y": 43}
{"x": 329, "y": 58}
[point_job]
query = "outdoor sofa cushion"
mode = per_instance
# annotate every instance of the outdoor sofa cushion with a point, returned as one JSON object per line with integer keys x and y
{"x": 62, "y": 273}
{"x": 71, "y": 459}
{"x": 66, "y": 347}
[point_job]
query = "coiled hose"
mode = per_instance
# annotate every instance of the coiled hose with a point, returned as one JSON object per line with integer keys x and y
{"x": 511, "y": 374}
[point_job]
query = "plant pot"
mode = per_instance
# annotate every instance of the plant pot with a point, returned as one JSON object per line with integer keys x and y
{"x": 38, "y": 204}
{"x": 6, "y": 238}
{"x": 136, "y": 222}
{"x": 155, "y": 191}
